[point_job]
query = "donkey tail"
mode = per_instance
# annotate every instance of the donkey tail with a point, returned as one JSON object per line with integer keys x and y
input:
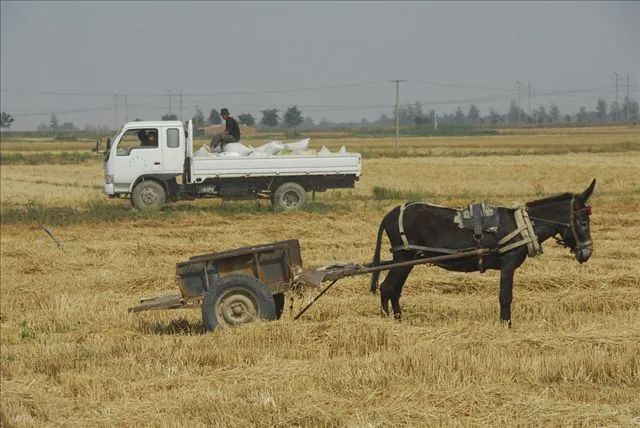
{"x": 376, "y": 260}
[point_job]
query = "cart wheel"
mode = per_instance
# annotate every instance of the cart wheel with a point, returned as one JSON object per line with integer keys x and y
{"x": 234, "y": 300}
{"x": 278, "y": 299}
{"x": 289, "y": 196}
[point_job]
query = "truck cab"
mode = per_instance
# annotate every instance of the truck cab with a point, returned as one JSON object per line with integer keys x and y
{"x": 142, "y": 151}
{"x": 152, "y": 162}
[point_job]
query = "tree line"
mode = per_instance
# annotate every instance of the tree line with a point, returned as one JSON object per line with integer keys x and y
{"x": 409, "y": 114}
{"x": 292, "y": 118}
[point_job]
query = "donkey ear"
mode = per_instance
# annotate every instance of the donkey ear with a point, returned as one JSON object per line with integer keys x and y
{"x": 584, "y": 196}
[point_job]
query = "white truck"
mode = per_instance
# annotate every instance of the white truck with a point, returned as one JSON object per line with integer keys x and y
{"x": 153, "y": 171}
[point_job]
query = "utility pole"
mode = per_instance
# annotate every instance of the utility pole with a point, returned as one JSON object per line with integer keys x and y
{"x": 529, "y": 98}
{"x": 126, "y": 108}
{"x": 115, "y": 111}
{"x": 181, "y": 105}
{"x": 616, "y": 77}
{"x": 627, "y": 99}
{"x": 519, "y": 101}
{"x": 169, "y": 91}
{"x": 398, "y": 112}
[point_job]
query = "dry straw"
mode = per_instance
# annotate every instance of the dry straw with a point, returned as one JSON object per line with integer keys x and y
{"x": 70, "y": 354}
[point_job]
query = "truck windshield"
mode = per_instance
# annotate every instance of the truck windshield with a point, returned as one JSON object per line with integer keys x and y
{"x": 143, "y": 138}
{"x": 112, "y": 140}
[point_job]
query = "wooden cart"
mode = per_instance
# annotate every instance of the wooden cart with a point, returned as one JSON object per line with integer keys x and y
{"x": 242, "y": 285}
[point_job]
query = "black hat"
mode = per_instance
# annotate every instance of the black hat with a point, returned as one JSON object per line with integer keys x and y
{"x": 224, "y": 111}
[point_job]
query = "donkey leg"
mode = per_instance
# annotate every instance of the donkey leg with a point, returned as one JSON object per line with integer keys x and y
{"x": 506, "y": 294}
{"x": 386, "y": 290}
{"x": 384, "y": 303}
{"x": 391, "y": 288}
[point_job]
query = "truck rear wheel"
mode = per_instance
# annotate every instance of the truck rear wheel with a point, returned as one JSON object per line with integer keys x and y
{"x": 235, "y": 300}
{"x": 289, "y": 196}
{"x": 148, "y": 195}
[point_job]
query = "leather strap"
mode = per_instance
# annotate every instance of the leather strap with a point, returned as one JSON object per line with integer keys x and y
{"x": 524, "y": 228}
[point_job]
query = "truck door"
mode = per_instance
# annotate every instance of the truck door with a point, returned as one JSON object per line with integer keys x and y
{"x": 137, "y": 153}
{"x": 173, "y": 150}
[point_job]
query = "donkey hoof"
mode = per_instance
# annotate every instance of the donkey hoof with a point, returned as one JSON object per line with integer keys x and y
{"x": 506, "y": 323}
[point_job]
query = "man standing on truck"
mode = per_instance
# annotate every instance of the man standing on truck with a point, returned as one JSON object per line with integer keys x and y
{"x": 231, "y": 132}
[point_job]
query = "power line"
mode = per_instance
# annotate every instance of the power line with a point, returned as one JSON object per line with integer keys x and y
{"x": 83, "y": 110}
{"x": 207, "y": 94}
{"x": 461, "y": 86}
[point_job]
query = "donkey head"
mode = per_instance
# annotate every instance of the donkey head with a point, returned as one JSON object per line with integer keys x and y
{"x": 577, "y": 235}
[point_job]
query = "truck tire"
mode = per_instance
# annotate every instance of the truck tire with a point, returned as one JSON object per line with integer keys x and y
{"x": 148, "y": 195}
{"x": 289, "y": 196}
{"x": 235, "y": 300}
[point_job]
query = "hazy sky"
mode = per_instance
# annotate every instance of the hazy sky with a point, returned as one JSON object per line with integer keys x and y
{"x": 450, "y": 53}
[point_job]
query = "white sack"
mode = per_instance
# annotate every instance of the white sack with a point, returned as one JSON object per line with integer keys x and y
{"x": 238, "y": 148}
{"x": 324, "y": 151}
{"x": 202, "y": 151}
{"x": 271, "y": 148}
{"x": 298, "y": 146}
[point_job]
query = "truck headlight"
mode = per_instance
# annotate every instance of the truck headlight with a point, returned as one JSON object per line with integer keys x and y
{"x": 108, "y": 179}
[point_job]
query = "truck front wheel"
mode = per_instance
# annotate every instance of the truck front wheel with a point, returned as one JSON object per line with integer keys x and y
{"x": 289, "y": 196}
{"x": 148, "y": 195}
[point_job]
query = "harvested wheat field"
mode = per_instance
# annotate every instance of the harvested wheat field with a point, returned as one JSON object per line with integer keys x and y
{"x": 72, "y": 355}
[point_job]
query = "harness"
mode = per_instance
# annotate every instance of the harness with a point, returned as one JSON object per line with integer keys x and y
{"x": 524, "y": 230}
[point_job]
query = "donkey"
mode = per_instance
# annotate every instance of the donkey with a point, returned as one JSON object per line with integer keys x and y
{"x": 430, "y": 230}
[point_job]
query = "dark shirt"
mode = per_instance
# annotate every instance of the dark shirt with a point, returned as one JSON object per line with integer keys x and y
{"x": 231, "y": 126}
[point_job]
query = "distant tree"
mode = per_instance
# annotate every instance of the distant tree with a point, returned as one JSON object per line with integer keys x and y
{"x": 582, "y": 116}
{"x": 5, "y": 120}
{"x": 634, "y": 111}
{"x": 308, "y": 123}
{"x": 515, "y": 112}
{"x": 423, "y": 119}
{"x": 67, "y": 126}
{"x": 459, "y": 115}
{"x": 412, "y": 114}
{"x": 493, "y": 117}
{"x": 214, "y": 117}
{"x": 554, "y": 113}
{"x": 198, "y": 118}
{"x": 601, "y": 110}
{"x": 293, "y": 117}
{"x": 540, "y": 115}
{"x": 43, "y": 127}
{"x": 474, "y": 113}
{"x": 53, "y": 122}
{"x": 567, "y": 118}
{"x": 170, "y": 116}
{"x": 247, "y": 119}
{"x": 614, "y": 111}
{"x": 383, "y": 120}
{"x": 325, "y": 123}
{"x": 629, "y": 109}
{"x": 270, "y": 117}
